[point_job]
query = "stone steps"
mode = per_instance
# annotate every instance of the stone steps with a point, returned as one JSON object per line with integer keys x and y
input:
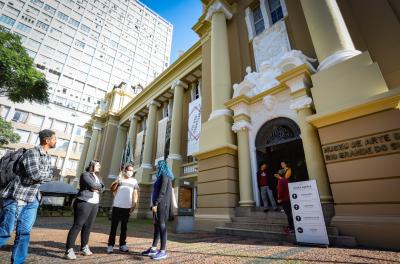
{"x": 254, "y": 222}
{"x": 334, "y": 240}
{"x": 276, "y": 227}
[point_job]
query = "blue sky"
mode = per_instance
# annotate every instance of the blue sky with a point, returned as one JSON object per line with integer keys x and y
{"x": 183, "y": 14}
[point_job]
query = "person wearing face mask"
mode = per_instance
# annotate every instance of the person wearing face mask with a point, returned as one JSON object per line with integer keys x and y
{"x": 125, "y": 191}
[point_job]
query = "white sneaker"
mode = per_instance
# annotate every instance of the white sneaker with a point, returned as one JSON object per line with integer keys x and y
{"x": 70, "y": 254}
{"x": 110, "y": 249}
{"x": 124, "y": 248}
{"x": 86, "y": 251}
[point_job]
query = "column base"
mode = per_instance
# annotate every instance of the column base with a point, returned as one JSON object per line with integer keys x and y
{"x": 248, "y": 203}
{"x": 220, "y": 112}
{"x": 337, "y": 57}
{"x": 216, "y": 133}
{"x": 347, "y": 83}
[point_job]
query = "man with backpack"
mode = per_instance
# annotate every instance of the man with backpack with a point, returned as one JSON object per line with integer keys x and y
{"x": 21, "y": 196}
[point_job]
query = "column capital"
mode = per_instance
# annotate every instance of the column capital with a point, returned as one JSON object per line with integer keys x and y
{"x": 97, "y": 126}
{"x": 178, "y": 82}
{"x": 241, "y": 125}
{"x": 219, "y": 7}
{"x": 301, "y": 103}
{"x": 153, "y": 102}
{"x": 135, "y": 117}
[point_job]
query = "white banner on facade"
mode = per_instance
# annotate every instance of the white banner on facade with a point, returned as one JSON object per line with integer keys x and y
{"x": 309, "y": 222}
{"x": 161, "y": 134}
{"x": 138, "y": 148}
{"x": 194, "y": 126}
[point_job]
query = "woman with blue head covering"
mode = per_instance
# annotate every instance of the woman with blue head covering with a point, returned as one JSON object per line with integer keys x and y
{"x": 162, "y": 209}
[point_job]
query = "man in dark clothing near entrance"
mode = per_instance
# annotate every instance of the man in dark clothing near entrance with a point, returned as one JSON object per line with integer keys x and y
{"x": 284, "y": 199}
{"x": 264, "y": 184}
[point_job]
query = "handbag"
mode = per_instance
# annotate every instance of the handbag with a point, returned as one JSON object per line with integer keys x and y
{"x": 114, "y": 187}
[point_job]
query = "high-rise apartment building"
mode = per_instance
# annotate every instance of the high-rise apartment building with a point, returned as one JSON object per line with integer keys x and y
{"x": 84, "y": 48}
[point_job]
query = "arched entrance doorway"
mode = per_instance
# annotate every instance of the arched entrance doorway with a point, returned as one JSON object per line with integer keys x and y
{"x": 277, "y": 140}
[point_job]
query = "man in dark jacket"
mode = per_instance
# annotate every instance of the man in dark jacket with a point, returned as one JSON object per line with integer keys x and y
{"x": 22, "y": 195}
{"x": 265, "y": 190}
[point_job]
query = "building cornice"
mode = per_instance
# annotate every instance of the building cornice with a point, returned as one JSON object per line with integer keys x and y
{"x": 382, "y": 102}
{"x": 182, "y": 66}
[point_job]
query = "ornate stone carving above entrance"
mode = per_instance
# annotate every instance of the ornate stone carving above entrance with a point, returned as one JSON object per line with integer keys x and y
{"x": 271, "y": 44}
{"x": 256, "y": 82}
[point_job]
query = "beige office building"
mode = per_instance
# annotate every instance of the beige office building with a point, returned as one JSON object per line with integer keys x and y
{"x": 313, "y": 82}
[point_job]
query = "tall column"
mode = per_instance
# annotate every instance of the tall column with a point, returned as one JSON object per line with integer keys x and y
{"x": 133, "y": 131}
{"x": 150, "y": 133}
{"x": 175, "y": 157}
{"x": 68, "y": 153}
{"x": 241, "y": 128}
{"x": 92, "y": 144}
{"x": 220, "y": 62}
{"x": 118, "y": 149}
{"x": 176, "y": 123}
{"x": 81, "y": 165}
{"x": 329, "y": 34}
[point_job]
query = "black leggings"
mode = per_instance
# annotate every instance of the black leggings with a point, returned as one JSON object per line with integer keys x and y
{"x": 160, "y": 230}
{"x": 84, "y": 217}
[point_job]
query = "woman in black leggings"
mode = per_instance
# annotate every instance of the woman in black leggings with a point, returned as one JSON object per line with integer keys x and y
{"x": 85, "y": 209}
{"x": 162, "y": 209}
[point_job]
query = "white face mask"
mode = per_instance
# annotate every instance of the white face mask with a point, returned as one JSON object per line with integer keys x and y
{"x": 129, "y": 173}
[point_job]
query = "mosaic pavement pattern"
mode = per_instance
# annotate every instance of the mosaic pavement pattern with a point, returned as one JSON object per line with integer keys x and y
{"x": 49, "y": 235}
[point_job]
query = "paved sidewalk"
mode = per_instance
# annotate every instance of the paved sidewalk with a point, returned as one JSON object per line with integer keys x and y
{"x": 49, "y": 235}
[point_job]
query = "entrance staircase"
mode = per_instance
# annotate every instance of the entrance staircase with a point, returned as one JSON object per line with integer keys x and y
{"x": 254, "y": 222}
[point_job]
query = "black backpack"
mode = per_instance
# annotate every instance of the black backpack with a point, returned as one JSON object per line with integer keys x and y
{"x": 9, "y": 166}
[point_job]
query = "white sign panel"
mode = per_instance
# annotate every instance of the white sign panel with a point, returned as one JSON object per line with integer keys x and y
{"x": 194, "y": 126}
{"x": 138, "y": 148}
{"x": 309, "y": 222}
{"x": 162, "y": 132}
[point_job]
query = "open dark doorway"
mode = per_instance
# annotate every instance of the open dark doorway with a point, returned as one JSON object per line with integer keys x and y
{"x": 279, "y": 140}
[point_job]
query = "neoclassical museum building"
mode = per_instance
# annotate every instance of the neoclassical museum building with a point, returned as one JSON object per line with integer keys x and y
{"x": 312, "y": 82}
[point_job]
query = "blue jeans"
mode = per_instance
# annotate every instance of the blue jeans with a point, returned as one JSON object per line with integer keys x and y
{"x": 25, "y": 215}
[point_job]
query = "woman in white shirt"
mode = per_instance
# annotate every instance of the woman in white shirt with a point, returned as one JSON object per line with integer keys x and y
{"x": 125, "y": 191}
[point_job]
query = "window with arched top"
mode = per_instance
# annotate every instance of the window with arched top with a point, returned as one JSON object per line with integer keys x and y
{"x": 277, "y": 131}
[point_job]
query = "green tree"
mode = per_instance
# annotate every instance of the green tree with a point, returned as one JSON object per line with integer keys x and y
{"x": 7, "y": 134}
{"x": 19, "y": 79}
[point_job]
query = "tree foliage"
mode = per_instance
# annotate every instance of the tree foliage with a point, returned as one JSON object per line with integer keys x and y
{"x": 7, "y": 134}
{"x": 19, "y": 79}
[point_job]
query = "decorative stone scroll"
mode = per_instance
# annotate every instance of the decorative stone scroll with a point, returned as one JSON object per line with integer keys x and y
{"x": 240, "y": 126}
{"x": 301, "y": 102}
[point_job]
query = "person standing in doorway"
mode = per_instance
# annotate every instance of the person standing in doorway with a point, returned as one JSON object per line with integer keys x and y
{"x": 265, "y": 190}
{"x": 284, "y": 199}
{"x": 161, "y": 198}
{"x": 22, "y": 195}
{"x": 284, "y": 172}
{"x": 86, "y": 206}
{"x": 124, "y": 203}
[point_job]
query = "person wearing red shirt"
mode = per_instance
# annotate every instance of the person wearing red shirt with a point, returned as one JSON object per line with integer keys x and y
{"x": 265, "y": 190}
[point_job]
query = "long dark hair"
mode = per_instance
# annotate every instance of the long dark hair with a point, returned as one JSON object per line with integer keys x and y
{"x": 90, "y": 167}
